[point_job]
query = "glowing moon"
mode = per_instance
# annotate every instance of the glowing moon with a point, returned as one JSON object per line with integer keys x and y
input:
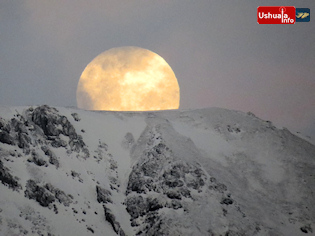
{"x": 128, "y": 79}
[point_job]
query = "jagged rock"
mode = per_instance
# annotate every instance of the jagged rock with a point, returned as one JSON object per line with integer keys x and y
{"x": 47, "y": 119}
{"x": 58, "y": 143}
{"x": 153, "y": 204}
{"x": 136, "y": 206}
{"x": 52, "y": 157}
{"x": 24, "y": 140}
{"x": 46, "y": 150}
{"x": 7, "y": 179}
{"x": 59, "y": 194}
{"x": 67, "y": 127}
{"x": 46, "y": 194}
{"x": 53, "y": 125}
{"x": 139, "y": 185}
{"x": 6, "y": 127}
{"x": 77, "y": 144}
{"x": 38, "y": 193}
{"x": 103, "y": 195}
{"x": 5, "y": 137}
{"x": 37, "y": 159}
{"x": 156, "y": 225}
{"x": 112, "y": 220}
{"x": 159, "y": 173}
{"x": 2, "y": 123}
{"x": 18, "y": 126}
{"x": 54, "y": 161}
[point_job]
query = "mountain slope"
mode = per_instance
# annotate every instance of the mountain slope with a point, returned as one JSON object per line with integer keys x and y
{"x": 65, "y": 171}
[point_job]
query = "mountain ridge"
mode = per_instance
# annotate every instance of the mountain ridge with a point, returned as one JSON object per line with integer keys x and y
{"x": 66, "y": 171}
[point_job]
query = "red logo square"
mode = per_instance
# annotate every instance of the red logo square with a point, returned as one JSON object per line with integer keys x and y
{"x": 275, "y": 15}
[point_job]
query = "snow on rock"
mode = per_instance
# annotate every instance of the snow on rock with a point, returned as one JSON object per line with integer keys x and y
{"x": 66, "y": 171}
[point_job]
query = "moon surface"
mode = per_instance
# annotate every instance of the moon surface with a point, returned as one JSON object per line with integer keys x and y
{"x": 128, "y": 79}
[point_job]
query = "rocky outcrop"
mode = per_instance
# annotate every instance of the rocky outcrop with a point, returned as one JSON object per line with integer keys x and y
{"x": 161, "y": 182}
{"x": 6, "y": 138}
{"x": 38, "y": 193}
{"x": 110, "y": 217}
{"x": 46, "y": 195}
{"x": 158, "y": 181}
{"x": 7, "y": 179}
{"x": 52, "y": 157}
{"x": 53, "y": 124}
{"x": 60, "y": 195}
{"x": 103, "y": 195}
{"x": 38, "y": 160}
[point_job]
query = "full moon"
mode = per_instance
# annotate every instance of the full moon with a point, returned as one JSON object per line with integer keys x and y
{"x": 128, "y": 79}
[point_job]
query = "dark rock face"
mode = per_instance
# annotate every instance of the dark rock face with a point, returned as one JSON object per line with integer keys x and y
{"x": 37, "y": 159}
{"x": 52, "y": 157}
{"x": 60, "y": 195}
{"x": 109, "y": 216}
{"x": 38, "y": 193}
{"x": 53, "y": 124}
{"x": 4, "y": 126}
{"x": 160, "y": 180}
{"x": 47, "y": 119}
{"x": 18, "y": 126}
{"x": 158, "y": 173}
{"x": 45, "y": 195}
{"x": 15, "y": 132}
{"x": 46, "y": 127}
{"x": 136, "y": 206}
{"x": 24, "y": 141}
{"x": 6, "y": 138}
{"x": 103, "y": 195}
{"x": 175, "y": 179}
{"x": 7, "y": 179}
{"x": 5, "y": 129}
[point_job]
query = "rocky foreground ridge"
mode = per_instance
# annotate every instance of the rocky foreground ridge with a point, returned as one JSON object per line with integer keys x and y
{"x": 66, "y": 171}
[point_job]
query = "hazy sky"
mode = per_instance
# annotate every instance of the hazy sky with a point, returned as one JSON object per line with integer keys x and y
{"x": 220, "y": 55}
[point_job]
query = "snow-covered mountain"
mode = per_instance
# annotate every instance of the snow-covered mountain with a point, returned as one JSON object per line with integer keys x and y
{"x": 65, "y": 171}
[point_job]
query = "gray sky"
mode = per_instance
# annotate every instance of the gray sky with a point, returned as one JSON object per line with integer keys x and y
{"x": 220, "y": 55}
